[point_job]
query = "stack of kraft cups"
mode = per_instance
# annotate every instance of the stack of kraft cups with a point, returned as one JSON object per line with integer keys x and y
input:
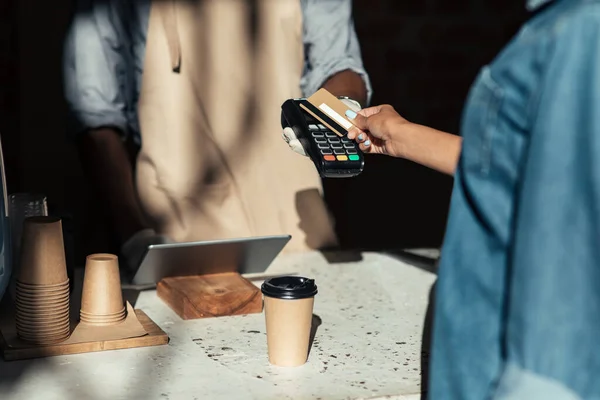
{"x": 42, "y": 287}
{"x": 102, "y": 298}
{"x": 289, "y": 304}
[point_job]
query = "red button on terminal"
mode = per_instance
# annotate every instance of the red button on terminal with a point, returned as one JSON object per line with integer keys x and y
{"x": 329, "y": 157}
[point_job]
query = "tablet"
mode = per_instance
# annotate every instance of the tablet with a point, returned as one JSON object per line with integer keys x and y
{"x": 243, "y": 255}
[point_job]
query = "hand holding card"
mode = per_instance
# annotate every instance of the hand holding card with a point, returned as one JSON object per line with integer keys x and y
{"x": 290, "y": 136}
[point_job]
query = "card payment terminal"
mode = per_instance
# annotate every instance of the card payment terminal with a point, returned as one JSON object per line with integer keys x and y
{"x": 334, "y": 155}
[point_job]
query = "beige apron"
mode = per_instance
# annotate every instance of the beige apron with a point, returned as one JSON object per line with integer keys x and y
{"x": 213, "y": 164}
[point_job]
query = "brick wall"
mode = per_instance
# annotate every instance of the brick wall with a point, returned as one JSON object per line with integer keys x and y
{"x": 422, "y": 56}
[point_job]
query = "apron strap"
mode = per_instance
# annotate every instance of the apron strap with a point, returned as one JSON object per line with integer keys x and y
{"x": 169, "y": 20}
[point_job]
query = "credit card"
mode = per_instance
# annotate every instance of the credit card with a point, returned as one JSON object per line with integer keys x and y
{"x": 333, "y": 107}
{"x": 321, "y": 117}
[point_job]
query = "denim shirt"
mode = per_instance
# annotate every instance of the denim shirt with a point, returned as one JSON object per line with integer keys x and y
{"x": 105, "y": 47}
{"x": 517, "y": 311}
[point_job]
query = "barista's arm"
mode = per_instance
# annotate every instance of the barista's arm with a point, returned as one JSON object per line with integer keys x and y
{"x": 332, "y": 52}
{"x": 95, "y": 76}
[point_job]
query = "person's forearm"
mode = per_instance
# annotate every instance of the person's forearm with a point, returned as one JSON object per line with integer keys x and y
{"x": 432, "y": 148}
{"x": 106, "y": 162}
{"x": 347, "y": 83}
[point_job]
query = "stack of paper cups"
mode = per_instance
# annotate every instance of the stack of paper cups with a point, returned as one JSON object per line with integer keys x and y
{"x": 102, "y": 298}
{"x": 42, "y": 288}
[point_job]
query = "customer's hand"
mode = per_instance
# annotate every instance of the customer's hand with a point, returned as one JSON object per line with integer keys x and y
{"x": 378, "y": 130}
{"x": 290, "y": 137}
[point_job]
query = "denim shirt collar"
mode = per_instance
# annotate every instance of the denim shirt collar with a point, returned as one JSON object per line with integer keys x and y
{"x": 533, "y": 5}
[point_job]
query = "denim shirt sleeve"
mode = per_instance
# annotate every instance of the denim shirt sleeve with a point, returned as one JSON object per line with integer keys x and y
{"x": 553, "y": 314}
{"x": 95, "y": 66}
{"x": 330, "y": 44}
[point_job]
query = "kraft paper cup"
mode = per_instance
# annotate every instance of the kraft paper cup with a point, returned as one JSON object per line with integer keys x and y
{"x": 37, "y": 316}
{"x": 46, "y": 338}
{"x": 41, "y": 296}
{"x": 42, "y": 313}
{"x": 27, "y": 312}
{"x": 45, "y": 288}
{"x": 42, "y": 304}
{"x": 43, "y": 327}
{"x": 36, "y": 333}
{"x": 117, "y": 314}
{"x": 43, "y": 292}
{"x": 120, "y": 314}
{"x": 37, "y": 330}
{"x": 289, "y": 304}
{"x": 42, "y": 310}
{"x": 102, "y": 298}
{"x": 28, "y": 326}
{"x": 103, "y": 319}
{"x": 30, "y": 311}
{"x": 46, "y": 315}
{"x": 49, "y": 338}
{"x": 42, "y": 253}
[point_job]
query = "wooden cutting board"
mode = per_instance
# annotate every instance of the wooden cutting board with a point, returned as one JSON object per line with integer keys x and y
{"x": 205, "y": 296}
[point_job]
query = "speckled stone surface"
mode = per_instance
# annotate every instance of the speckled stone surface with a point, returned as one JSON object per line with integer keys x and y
{"x": 367, "y": 346}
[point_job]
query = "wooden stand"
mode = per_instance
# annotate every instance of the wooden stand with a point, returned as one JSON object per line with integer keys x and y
{"x": 155, "y": 337}
{"x": 204, "y": 296}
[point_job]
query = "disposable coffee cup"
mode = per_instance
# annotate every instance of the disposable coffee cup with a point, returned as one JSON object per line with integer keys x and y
{"x": 289, "y": 304}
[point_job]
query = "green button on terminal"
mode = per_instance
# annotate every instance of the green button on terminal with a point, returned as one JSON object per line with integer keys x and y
{"x": 353, "y": 157}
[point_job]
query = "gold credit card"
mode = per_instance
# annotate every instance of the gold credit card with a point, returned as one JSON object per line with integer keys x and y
{"x": 338, "y": 130}
{"x": 333, "y": 108}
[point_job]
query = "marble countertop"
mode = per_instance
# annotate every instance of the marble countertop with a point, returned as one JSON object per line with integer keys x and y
{"x": 368, "y": 345}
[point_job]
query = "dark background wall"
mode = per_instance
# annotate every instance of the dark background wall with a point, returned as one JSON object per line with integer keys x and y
{"x": 422, "y": 56}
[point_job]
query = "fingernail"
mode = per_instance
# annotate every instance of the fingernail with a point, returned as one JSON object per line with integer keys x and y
{"x": 360, "y": 137}
{"x": 350, "y": 114}
{"x": 367, "y": 143}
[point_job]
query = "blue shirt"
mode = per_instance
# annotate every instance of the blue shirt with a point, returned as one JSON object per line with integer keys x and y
{"x": 104, "y": 57}
{"x": 517, "y": 311}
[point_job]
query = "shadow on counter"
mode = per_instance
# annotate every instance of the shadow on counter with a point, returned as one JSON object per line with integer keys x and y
{"x": 427, "y": 261}
{"x": 316, "y": 322}
{"x": 424, "y": 259}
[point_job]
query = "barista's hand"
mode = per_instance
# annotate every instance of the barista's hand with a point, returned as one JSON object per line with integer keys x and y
{"x": 290, "y": 137}
{"x": 378, "y": 130}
